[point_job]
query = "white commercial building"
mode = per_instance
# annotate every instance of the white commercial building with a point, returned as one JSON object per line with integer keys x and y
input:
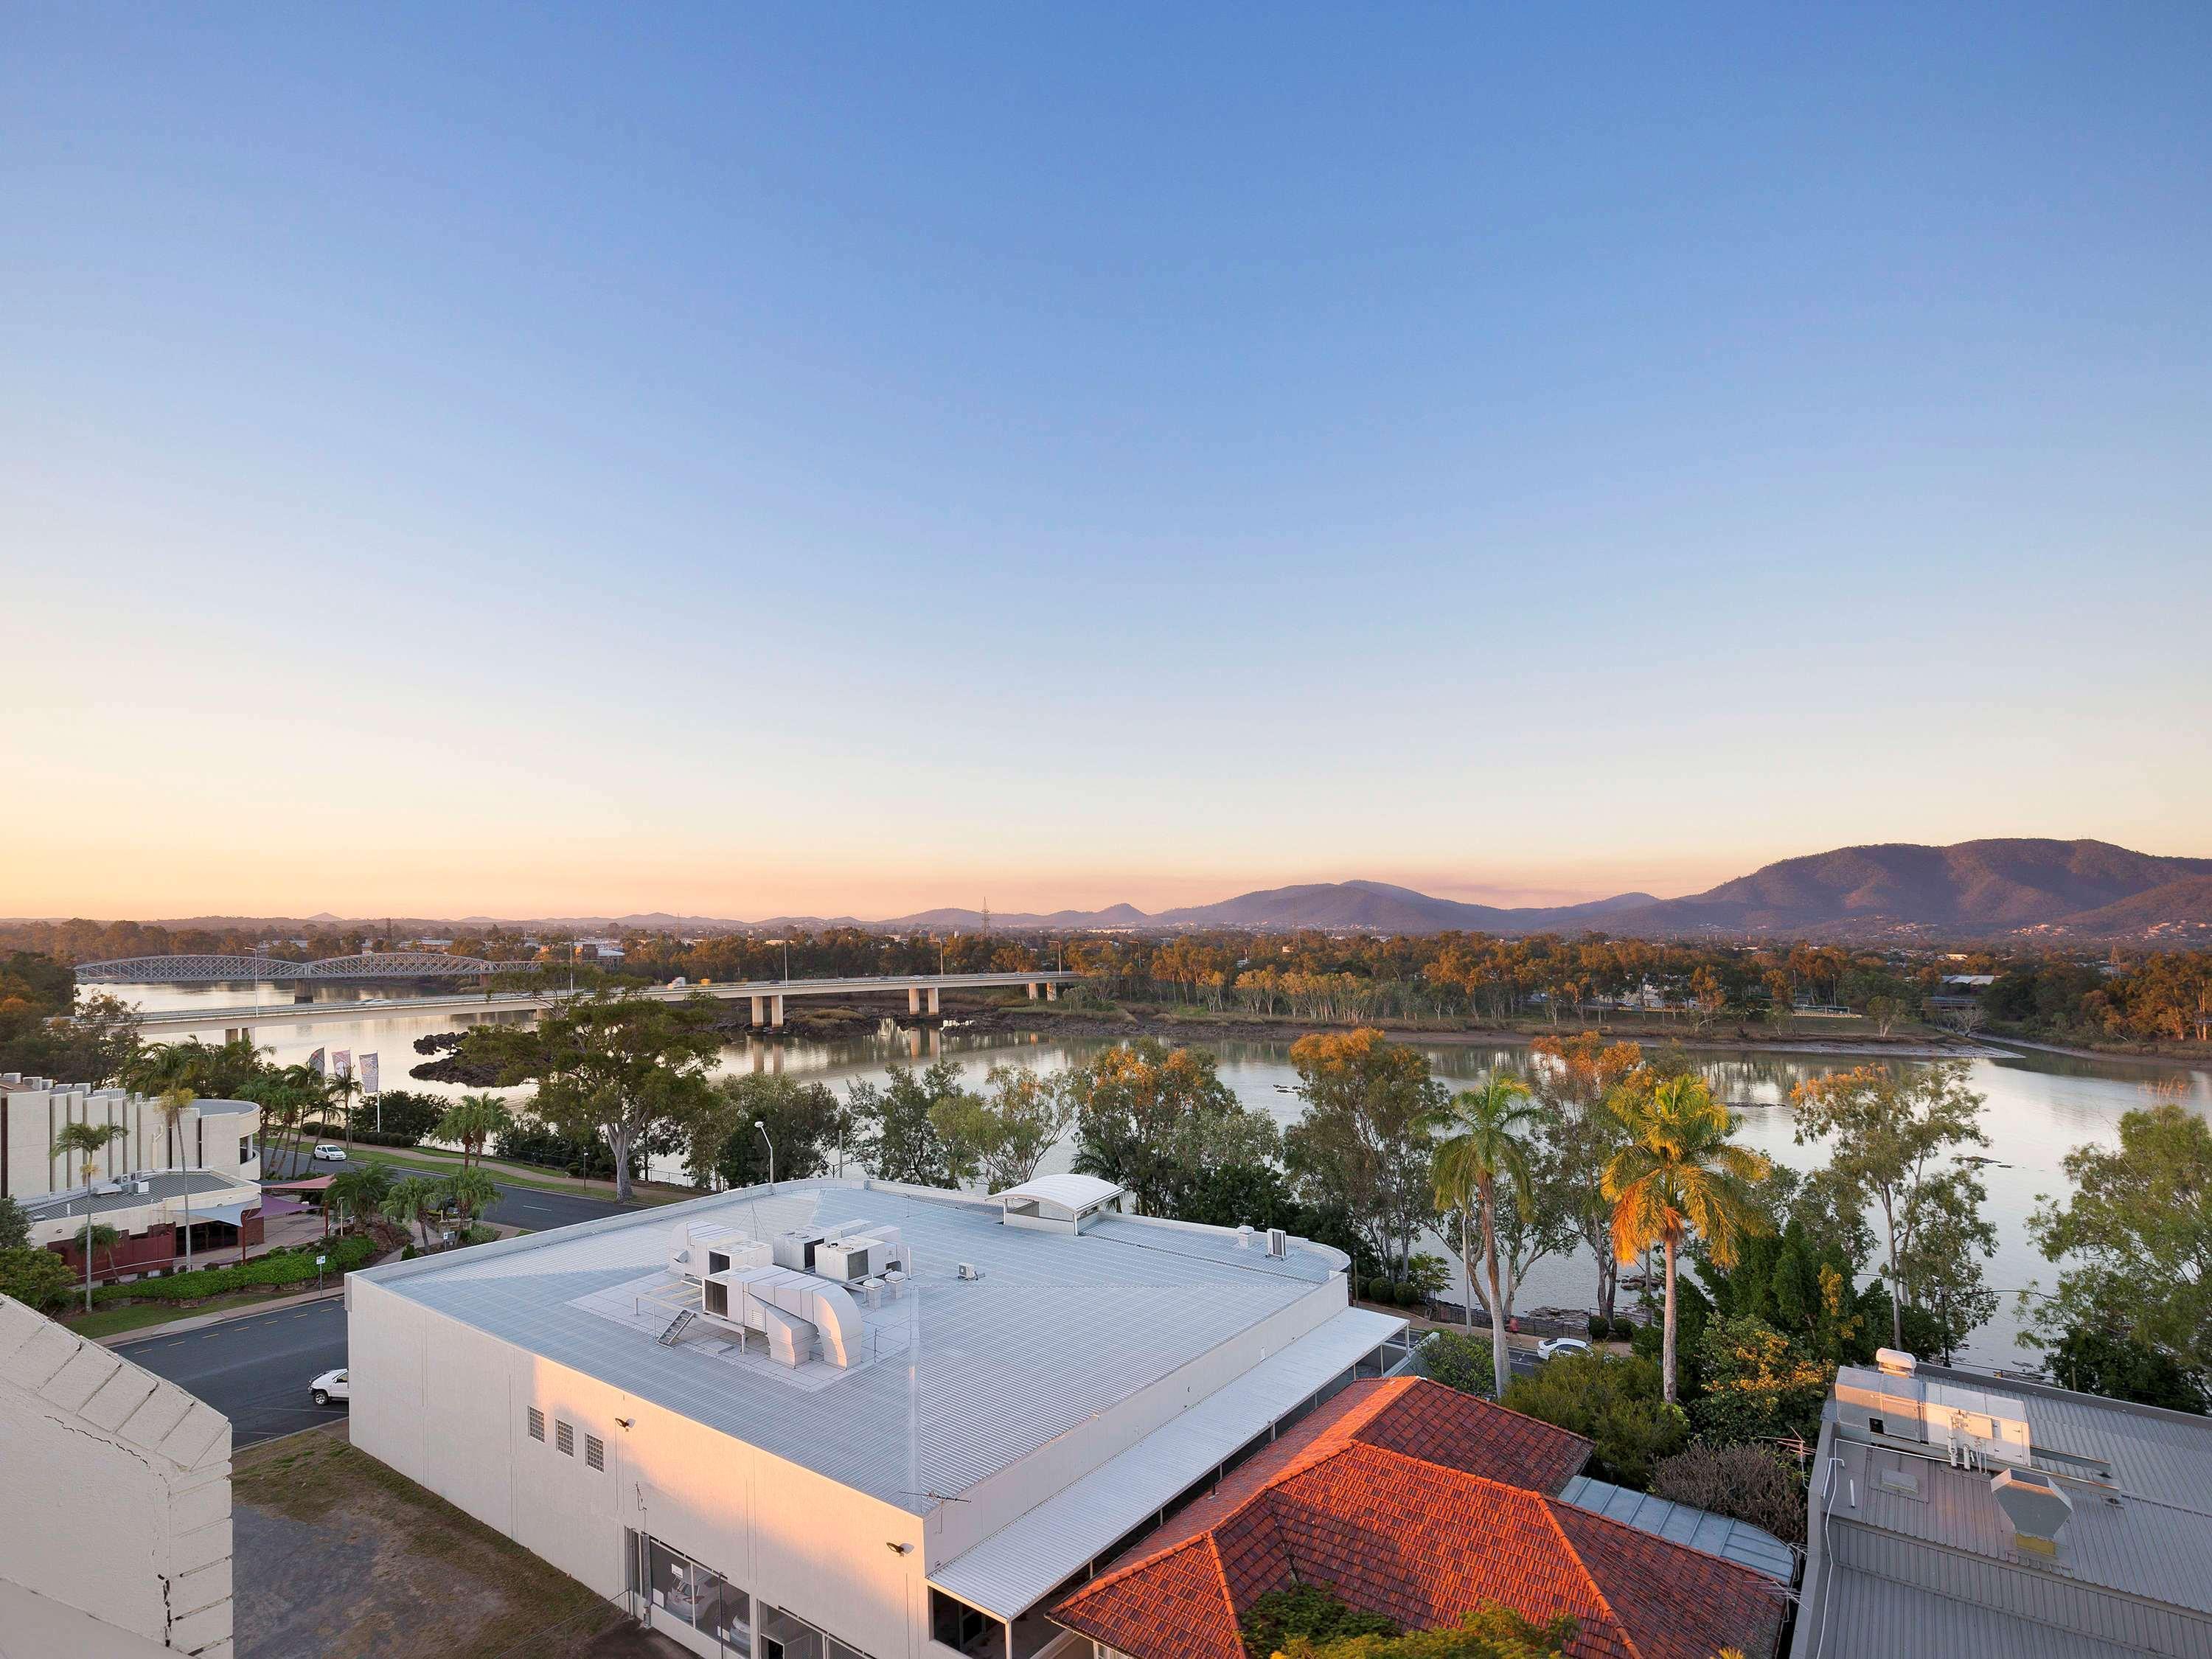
{"x": 842, "y": 1418}
{"x": 150, "y": 1178}
{"x": 115, "y": 1533}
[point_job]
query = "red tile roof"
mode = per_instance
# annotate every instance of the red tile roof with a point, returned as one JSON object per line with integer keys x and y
{"x": 1383, "y": 1496}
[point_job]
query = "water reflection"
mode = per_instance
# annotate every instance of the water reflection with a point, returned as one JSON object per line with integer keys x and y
{"x": 2039, "y": 1105}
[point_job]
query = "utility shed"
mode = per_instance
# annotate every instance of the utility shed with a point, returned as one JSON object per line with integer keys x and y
{"x": 1058, "y": 1203}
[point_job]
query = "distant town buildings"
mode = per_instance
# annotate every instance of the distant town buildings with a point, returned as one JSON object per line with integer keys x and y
{"x": 148, "y": 1175}
{"x": 1954, "y": 1514}
{"x": 115, "y": 1537}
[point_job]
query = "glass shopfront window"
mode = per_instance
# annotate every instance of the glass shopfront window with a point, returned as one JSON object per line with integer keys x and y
{"x": 678, "y": 1590}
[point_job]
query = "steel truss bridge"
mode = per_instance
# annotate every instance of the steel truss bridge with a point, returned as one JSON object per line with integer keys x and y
{"x": 216, "y": 971}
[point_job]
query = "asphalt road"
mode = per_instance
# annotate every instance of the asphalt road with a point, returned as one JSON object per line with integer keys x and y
{"x": 255, "y": 1371}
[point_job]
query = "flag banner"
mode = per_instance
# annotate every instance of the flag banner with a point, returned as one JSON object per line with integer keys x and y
{"x": 341, "y": 1062}
{"x": 316, "y": 1060}
{"x": 368, "y": 1078}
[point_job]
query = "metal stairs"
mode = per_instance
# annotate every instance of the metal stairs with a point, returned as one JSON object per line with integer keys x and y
{"x": 677, "y": 1326}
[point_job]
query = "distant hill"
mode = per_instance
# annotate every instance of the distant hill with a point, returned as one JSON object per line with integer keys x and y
{"x": 2084, "y": 890}
{"x": 1977, "y": 888}
{"x": 1376, "y": 907}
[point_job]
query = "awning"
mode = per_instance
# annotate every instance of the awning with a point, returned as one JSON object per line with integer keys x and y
{"x": 1016, "y": 1567}
{"x": 232, "y": 1213}
{"x": 320, "y": 1183}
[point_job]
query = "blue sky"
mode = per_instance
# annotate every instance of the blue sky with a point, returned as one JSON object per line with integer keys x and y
{"x": 848, "y": 459}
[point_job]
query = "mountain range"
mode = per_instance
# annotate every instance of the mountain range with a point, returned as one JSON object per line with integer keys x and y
{"x": 2083, "y": 890}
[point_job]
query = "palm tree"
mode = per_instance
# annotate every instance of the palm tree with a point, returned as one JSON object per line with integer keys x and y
{"x": 359, "y": 1193}
{"x": 473, "y": 1121}
{"x": 1481, "y": 1145}
{"x": 412, "y": 1202}
{"x": 468, "y": 1194}
{"x": 173, "y": 1103}
{"x": 1679, "y": 1174}
{"x": 88, "y": 1141}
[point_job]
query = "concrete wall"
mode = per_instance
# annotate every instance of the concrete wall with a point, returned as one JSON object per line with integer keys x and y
{"x": 448, "y": 1406}
{"x": 118, "y": 1491}
{"x": 30, "y": 1118}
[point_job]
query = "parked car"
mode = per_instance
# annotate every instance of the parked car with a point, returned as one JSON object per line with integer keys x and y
{"x": 328, "y": 1153}
{"x": 331, "y": 1385}
{"x": 1556, "y": 1347}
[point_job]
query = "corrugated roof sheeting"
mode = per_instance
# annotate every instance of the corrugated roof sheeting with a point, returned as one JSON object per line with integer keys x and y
{"x": 1016, "y": 1566}
{"x": 1874, "y": 1617}
{"x": 1059, "y": 1327}
{"x": 1700, "y": 1529}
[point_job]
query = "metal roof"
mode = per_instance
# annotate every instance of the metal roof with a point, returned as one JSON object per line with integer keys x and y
{"x": 1058, "y": 1327}
{"x": 170, "y": 1183}
{"x": 1075, "y": 1192}
{"x": 1883, "y": 1619}
{"x": 1700, "y": 1529}
{"x": 1013, "y": 1569}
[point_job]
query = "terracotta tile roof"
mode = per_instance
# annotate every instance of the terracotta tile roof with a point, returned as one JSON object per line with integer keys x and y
{"x": 1352, "y": 1498}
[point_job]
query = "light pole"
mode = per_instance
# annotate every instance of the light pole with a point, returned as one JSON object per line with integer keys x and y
{"x": 762, "y": 1128}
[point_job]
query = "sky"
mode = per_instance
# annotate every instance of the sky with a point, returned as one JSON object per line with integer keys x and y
{"x": 845, "y": 459}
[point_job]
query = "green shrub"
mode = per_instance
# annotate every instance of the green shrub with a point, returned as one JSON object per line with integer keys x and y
{"x": 1310, "y": 1611}
{"x": 1458, "y": 1361}
{"x": 1598, "y": 1327}
{"x": 1624, "y": 1329}
{"x": 1408, "y": 1296}
{"x": 278, "y": 1268}
{"x": 1616, "y": 1402}
{"x": 37, "y": 1279}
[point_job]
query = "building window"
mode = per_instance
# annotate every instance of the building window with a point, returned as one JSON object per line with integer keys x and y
{"x": 1873, "y": 1424}
{"x": 537, "y": 1424}
{"x": 678, "y": 1589}
{"x": 595, "y": 1451}
{"x": 969, "y": 1630}
{"x": 564, "y": 1437}
{"x": 245, "y": 1149}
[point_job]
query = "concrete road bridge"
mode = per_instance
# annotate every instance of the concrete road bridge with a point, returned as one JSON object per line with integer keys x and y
{"x": 924, "y": 993}
{"x": 255, "y": 970}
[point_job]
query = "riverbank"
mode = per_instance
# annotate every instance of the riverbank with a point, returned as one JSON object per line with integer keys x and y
{"x": 2194, "y": 1056}
{"x": 1123, "y": 1022}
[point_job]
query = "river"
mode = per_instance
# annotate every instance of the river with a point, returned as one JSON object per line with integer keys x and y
{"x": 2039, "y": 1105}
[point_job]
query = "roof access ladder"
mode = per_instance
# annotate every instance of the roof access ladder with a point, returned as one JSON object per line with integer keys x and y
{"x": 677, "y": 1326}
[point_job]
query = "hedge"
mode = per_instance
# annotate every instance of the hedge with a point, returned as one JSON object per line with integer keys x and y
{"x": 278, "y": 1267}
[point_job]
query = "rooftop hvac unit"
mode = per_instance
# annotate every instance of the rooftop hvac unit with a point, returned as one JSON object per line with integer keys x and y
{"x": 969, "y": 1271}
{"x": 795, "y": 1250}
{"x": 1279, "y": 1243}
{"x": 142, "y": 1187}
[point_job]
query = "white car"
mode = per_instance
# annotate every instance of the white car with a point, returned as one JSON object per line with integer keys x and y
{"x": 331, "y": 1385}
{"x": 327, "y": 1154}
{"x": 1558, "y": 1348}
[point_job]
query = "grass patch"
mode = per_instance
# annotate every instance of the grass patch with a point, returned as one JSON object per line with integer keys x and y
{"x": 441, "y": 1581}
{"x": 110, "y": 1322}
{"x": 426, "y": 1160}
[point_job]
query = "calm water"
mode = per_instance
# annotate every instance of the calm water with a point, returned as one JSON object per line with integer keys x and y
{"x": 2039, "y": 1105}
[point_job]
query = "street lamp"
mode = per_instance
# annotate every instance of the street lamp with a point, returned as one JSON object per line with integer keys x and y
{"x": 762, "y": 1128}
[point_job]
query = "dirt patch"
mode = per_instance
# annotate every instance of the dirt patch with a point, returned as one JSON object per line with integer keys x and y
{"x": 338, "y": 1556}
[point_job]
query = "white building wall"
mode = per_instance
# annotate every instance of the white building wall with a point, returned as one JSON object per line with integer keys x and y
{"x": 116, "y": 1488}
{"x": 30, "y": 1118}
{"x": 449, "y": 1408}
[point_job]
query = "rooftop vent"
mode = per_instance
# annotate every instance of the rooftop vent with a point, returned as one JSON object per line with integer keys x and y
{"x": 1279, "y": 1243}
{"x": 1895, "y": 1362}
{"x": 1244, "y": 1238}
{"x": 2038, "y": 1509}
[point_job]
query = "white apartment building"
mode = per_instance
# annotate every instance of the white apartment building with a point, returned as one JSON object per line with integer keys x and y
{"x": 845, "y": 1419}
{"x": 149, "y": 1175}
